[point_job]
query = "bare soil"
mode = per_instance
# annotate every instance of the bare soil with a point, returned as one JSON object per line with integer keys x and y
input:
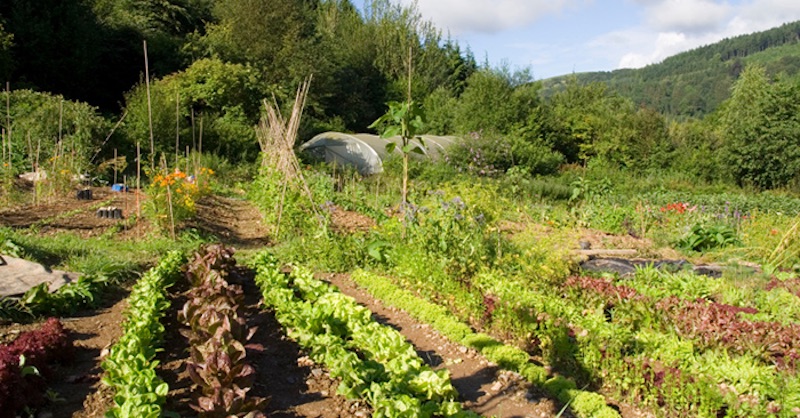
{"x": 75, "y": 386}
{"x": 69, "y": 214}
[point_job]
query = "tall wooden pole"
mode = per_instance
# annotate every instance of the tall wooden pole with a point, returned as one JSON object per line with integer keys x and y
{"x": 177, "y": 127}
{"x": 149, "y": 108}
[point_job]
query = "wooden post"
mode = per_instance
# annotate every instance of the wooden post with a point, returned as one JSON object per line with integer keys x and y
{"x": 149, "y": 108}
{"x": 177, "y": 127}
{"x": 198, "y": 159}
{"x": 8, "y": 125}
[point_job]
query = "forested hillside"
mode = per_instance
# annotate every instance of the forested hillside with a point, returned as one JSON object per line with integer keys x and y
{"x": 696, "y": 82}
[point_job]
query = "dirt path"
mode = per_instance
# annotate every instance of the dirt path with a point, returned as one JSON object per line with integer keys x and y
{"x": 483, "y": 387}
{"x": 236, "y": 222}
{"x": 295, "y": 386}
{"x": 299, "y": 388}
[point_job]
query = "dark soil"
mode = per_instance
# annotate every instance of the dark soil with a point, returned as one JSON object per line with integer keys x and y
{"x": 68, "y": 214}
{"x": 75, "y": 386}
{"x": 294, "y": 385}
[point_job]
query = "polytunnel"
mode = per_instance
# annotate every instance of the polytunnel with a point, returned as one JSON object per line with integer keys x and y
{"x": 366, "y": 152}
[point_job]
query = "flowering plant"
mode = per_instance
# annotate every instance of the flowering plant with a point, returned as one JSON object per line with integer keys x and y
{"x": 173, "y": 196}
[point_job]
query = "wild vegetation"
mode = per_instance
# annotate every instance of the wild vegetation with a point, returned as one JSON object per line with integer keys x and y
{"x": 182, "y": 100}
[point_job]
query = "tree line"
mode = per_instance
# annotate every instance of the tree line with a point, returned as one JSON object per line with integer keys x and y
{"x": 213, "y": 62}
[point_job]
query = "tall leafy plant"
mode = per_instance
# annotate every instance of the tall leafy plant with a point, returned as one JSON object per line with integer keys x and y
{"x": 405, "y": 119}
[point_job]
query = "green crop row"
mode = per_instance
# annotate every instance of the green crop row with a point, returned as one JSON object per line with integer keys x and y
{"x": 374, "y": 362}
{"x": 625, "y": 348}
{"x": 583, "y": 403}
{"x": 130, "y": 365}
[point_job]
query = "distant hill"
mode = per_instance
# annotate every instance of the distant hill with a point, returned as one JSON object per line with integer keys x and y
{"x": 695, "y": 82}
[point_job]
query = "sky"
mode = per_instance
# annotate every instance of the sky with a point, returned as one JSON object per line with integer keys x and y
{"x": 557, "y": 37}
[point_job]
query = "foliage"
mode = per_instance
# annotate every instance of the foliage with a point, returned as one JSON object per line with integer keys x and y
{"x": 373, "y": 361}
{"x": 494, "y": 101}
{"x": 406, "y": 120}
{"x": 456, "y": 233}
{"x": 505, "y": 356}
{"x": 716, "y": 324}
{"x": 91, "y": 255}
{"x": 490, "y": 155}
{"x": 130, "y": 365}
{"x": 52, "y": 134}
{"x": 694, "y": 83}
{"x": 172, "y": 197}
{"x": 6, "y": 42}
{"x": 217, "y": 103}
{"x": 702, "y": 237}
{"x": 286, "y": 206}
{"x": 25, "y": 364}
{"x": 760, "y": 124}
{"x": 217, "y": 336}
{"x": 68, "y": 299}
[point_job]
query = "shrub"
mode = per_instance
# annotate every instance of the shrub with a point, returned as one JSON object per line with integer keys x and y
{"x": 492, "y": 155}
{"x": 702, "y": 237}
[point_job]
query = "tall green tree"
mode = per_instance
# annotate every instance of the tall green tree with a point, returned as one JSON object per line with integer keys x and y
{"x": 277, "y": 37}
{"x": 576, "y": 119}
{"x": 349, "y": 89}
{"x": 761, "y": 127}
{"x": 494, "y": 101}
{"x": 224, "y": 96}
{"x": 399, "y": 29}
{"x": 55, "y": 46}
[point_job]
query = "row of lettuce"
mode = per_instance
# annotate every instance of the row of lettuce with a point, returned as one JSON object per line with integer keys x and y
{"x": 373, "y": 362}
{"x": 216, "y": 333}
{"x": 672, "y": 343}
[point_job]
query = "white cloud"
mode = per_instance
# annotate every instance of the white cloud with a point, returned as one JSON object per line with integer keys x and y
{"x": 763, "y": 14}
{"x": 674, "y": 26}
{"x": 666, "y": 44}
{"x": 696, "y": 16}
{"x": 488, "y": 16}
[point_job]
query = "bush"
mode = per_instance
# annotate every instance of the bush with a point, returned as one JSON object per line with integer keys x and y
{"x": 704, "y": 237}
{"x": 225, "y": 97}
{"x": 493, "y": 155}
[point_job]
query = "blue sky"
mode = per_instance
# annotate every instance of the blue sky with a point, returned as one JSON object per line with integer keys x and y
{"x": 556, "y": 37}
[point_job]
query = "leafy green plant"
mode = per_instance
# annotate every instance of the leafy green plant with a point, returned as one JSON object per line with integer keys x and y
{"x": 68, "y": 299}
{"x": 130, "y": 365}
{"x": 406, "y": 120}
{"x": 373, "y": 361}
{"x": 702, "y": 237}
{"x": 512, "y": 358}
{"x": 585, "y": 189}
{"x": 456, "y": 233}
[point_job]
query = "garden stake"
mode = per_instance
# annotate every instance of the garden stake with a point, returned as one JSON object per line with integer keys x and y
{"x": 149, "y": 108}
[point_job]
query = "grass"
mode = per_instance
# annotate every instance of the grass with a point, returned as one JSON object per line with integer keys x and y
{"x": 105, "y": 255}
